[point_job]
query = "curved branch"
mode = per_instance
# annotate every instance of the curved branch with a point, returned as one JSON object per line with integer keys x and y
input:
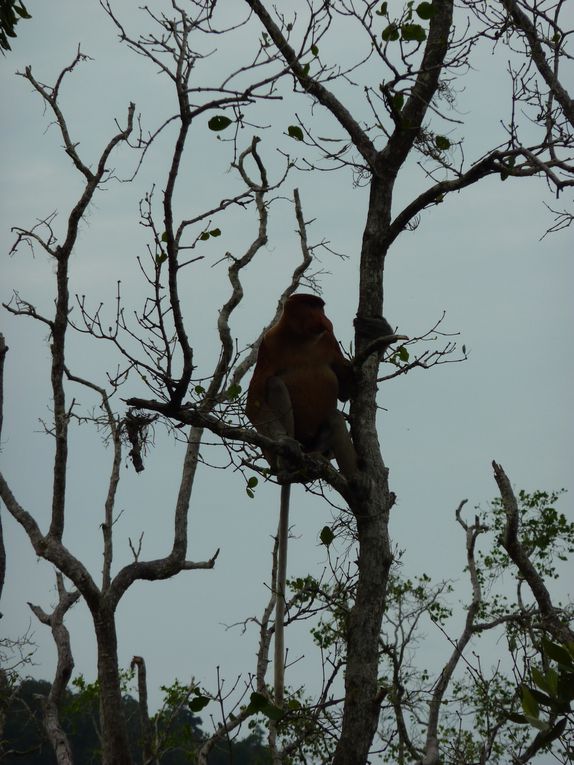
{"x": 511, "y": 543}
{"x": 163, "y": 568}
{"x": 314, "y": 88}
{"x": 65, "y": 665}
{"x": 412, "y": 115}
{"x": 49, "y": 548}
{"x": 431, "y": 756}
{"x": 522, "y": 22}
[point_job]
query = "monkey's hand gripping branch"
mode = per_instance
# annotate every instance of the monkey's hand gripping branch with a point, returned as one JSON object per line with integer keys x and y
{"x": 378, "y": 330}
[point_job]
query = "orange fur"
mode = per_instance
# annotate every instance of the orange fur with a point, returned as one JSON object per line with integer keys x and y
{"x": 302, "y": 351}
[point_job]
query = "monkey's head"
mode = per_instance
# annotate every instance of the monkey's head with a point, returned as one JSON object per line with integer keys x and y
{"x": 304, "y": 315}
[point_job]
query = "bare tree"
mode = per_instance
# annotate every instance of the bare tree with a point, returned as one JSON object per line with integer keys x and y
{"x": 64, "y": 668}
{"x": 103, "y": 599}
{"x": 420, "y": 52}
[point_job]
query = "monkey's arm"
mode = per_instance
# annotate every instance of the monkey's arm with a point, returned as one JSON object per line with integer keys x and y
{"x": 379, "y": 331}
{"x": 341, "y": 366}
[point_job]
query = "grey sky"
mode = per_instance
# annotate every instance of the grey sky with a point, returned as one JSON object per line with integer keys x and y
{"x": 479, "y": 257}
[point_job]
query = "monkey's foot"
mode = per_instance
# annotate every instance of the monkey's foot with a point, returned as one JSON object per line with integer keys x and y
{"x": 291, "y": 450}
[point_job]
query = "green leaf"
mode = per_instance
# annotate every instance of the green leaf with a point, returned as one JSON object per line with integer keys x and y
{"x": 204, "y": 236}
{"x": 215, "y": 232}
{"x": 403, "y": 353}
{"x": 542, "y": 699}
{"x": 539, "y": 679}
{"x": 251, "y": 484}
{"x": 425, "y": 11}
{"x": 398, "y": 101}
{"x": 294, "y": 131}
{"x": 413, "y": 33}
{"x": 538, "y": 724}
{"x": 556, "y": 731}
{"x": 314, "y": 50}
{"x": 159, "y": 259}
{"x": 516, "y": 718}
{"x": 164, "y": 236}
{"x": 383, "y": 11}
{"x": 198, "y": 703}
{"x": 529, "y": 703}
{"x": 390, "y": 33}
{"x": 326, "y": 536}
{"x": 258, "y": 703}
{"x": 565, "y": 689}
{"x": 272, "y": 712}
{"x": 558, "y": 654}
{"x": 442, "y": 142}
{"x": 234, "y": 391}
{"x": 306, "y": 68}
{"x": 219, "y": 122}
{"x": 199, "y": 389}
{"x": 22, "y": 12}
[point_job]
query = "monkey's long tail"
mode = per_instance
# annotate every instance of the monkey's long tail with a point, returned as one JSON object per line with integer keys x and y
{"x": 282, "y": 536}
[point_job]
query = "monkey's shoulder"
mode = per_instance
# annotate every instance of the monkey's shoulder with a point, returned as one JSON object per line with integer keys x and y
{"x": 285, "y": 350}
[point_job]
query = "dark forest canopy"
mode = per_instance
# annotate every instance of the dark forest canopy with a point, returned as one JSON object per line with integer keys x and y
{"x": 25, "y": 743}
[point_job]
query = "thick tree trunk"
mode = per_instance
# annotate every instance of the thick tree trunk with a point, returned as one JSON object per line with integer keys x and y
{"x": 362, "y": 692}
{"x": 115, "y": 747}
{"x": 56, "y": 735}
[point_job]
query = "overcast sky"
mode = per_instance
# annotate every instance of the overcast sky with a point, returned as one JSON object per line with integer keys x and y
{"x": 479, "y": 257}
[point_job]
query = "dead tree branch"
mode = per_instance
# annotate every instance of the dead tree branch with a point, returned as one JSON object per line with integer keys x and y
{"x": 65, "y": 665}
{"x": 510, "y": 540}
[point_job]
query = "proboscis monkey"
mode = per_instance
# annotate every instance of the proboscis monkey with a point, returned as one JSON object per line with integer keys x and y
{"x": 299, "y": 376}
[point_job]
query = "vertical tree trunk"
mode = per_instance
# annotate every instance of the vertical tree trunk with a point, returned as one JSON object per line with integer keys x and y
{"x": 56, "y": 735}
{"x": 115, "y": 746}
{"x": 362, "y": 692}
{"x": 3, "y": 352}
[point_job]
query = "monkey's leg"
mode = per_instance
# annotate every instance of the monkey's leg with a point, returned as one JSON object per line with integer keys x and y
{"x": 280, "y": 422}
{"x": 279, "y": 401}
{"x": 281, "y": 577}
{"x": 342, "y": 446}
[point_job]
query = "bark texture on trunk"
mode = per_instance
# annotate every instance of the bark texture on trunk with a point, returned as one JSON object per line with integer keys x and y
{"x": 115, "y": 745}
{"x": 362, "y": 698}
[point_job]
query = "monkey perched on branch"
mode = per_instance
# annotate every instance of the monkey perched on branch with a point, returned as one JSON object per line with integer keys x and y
{"x": 300, "y": 375}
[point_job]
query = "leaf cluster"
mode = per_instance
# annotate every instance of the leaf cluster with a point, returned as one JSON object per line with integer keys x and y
{"x": 11, "y": 11}
{"x": 407, "y": 29}
{"x": 546, "y": 534}
{"x": 551, "y": 692}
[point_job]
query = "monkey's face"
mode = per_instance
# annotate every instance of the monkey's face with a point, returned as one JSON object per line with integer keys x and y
{"x": 306, "y": 319}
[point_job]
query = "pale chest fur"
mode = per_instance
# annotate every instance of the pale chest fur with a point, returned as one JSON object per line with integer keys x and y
{"x": 312, "y": 384}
